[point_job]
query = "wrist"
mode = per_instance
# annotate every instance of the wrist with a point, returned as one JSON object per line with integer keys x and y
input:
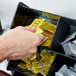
{"x": 3, "y": 48}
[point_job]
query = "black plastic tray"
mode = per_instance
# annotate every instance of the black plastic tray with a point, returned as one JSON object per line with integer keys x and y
{"x": 64, "y": 27}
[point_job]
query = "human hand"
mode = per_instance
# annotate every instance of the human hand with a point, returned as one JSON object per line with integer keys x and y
{"x": 20, "y": 43}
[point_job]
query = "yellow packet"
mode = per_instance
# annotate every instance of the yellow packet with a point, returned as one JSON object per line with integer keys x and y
{"x": 28, "y": 73}
{"x": 48, "y": 26}
{"x": 22, "y": 65}
{"x": 47, "y": 42}
{"x": 37, "y": 23}
{"x": 47, "y": 33}
{"x": 49, "y": 58}
{"x": 33, "y": 75}
{"x": 50, "y": 64}
{"x": 33, "y": 56}
{"x": 45, "y": 71}
{"x": 45, "y": 54}
{"x": 36, "y": 59}
{"x": 50, "y": 15}
{"x": 36, "y": 70}
{"x": 41, "y": 63}
{"x": 27, "y": 60}
{"x": 29, "y": 67}
{"x": 41, "y": 70}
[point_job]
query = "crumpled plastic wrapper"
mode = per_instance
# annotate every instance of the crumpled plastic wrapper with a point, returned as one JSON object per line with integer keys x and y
{"x": 3, "y": 67}
{"x": 65, "y": 71}
{"x": 69, "y": 45}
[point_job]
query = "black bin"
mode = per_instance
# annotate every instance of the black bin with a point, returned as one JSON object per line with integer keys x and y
{"x": 64, "y": 27}
{"x": 59, "y": 61}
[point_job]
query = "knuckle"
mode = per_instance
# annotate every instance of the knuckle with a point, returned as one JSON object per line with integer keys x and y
{"x": 34, "y": 50}
{"x": 30, "y": 55}
{"x": 37, "y": 41}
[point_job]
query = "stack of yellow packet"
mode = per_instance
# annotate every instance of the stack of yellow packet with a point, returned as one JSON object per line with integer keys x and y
{"x": 44, "y": 27}
{"x": 43, "y": 65}
{"x": 38, "y": 65}
{"x": 48, "y": 30}
{"x": 27, "y": 64}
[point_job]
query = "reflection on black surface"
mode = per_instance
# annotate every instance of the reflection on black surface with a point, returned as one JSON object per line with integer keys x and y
{"x": 25, "y": 15}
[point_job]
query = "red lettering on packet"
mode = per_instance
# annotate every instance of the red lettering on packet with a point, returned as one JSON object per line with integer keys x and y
{"x": 35, "y": 25}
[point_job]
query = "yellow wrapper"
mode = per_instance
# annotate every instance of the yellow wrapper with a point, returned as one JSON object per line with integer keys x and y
{"x": 22, "y": 65}
{"x": 47, "y": 33}
{"x": 28, "y": 73}
{"x": 33, "y": 75}
{"x": 48, "y": 26}
{"x": 41, "y": 63}
{"x": 36, "y": 59}
{"x": 27, "y": 60}
{"x": 46, "y": 55}
{"x": 38, "y": 31}
{"x": 29, "y": 67}
{"x": 37, "y": 23}
{"x": 36, "y": 70}
{"x": 50, "y": 15}
{"x": 48, "y": 41}
{"x": 44, "y": 73}
{"x": 33, "y": 56}
{"x": 41, "y": 70}
{"x": 50, "y": 64}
